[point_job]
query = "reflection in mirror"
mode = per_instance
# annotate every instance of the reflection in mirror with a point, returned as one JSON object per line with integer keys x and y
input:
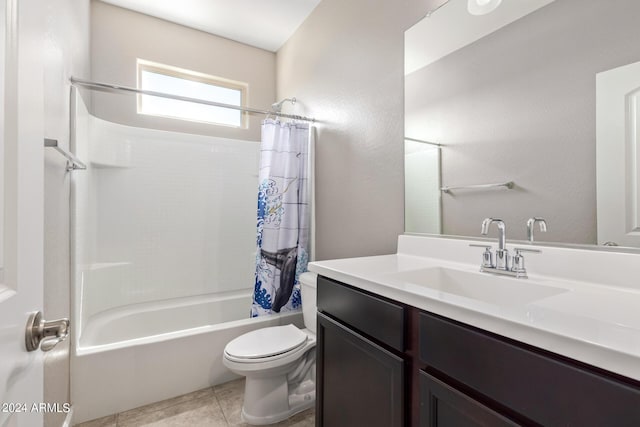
{"x": 618, "y": 157}
{"x": 422, "y": 186}
{"x": 511, "y": 96}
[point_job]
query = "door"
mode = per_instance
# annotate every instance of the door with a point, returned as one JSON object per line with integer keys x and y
{"x": 21, "y": 201}
{"x": 618, "y": 155}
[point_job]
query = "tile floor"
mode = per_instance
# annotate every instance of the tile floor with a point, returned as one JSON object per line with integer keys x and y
{"x": 218, "y": 406}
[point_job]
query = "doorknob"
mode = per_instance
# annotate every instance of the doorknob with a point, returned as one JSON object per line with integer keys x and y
{"x": 43, "y": 334}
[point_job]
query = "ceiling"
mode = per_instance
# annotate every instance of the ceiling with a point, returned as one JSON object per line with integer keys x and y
{"x": 453, "y": 27}
{"x": 266, "y": 24}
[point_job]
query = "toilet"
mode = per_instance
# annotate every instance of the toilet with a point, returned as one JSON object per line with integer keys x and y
{"x": 279, "y": 364}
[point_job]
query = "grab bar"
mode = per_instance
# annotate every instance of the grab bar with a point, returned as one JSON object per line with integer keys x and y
{"x": 73, "y": 163}
{"x": 509, "y": 185}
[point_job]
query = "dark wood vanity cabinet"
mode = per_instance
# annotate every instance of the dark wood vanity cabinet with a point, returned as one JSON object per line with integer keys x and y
{"x": 360, "y": 367}
{"x": 382, "y": 363}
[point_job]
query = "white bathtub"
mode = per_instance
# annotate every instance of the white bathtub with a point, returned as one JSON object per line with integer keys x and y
{"x": 143, "y": 353}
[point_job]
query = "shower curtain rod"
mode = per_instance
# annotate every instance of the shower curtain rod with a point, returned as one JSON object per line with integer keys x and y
{"x": 115, "y": 88}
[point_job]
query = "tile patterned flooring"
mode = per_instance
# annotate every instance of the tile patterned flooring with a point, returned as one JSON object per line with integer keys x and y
{"x": 217, "y": 406}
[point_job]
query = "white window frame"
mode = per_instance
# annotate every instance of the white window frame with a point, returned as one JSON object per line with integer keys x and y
{"x": 182, "y": 73}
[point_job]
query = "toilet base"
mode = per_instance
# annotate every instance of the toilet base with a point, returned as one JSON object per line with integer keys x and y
{"x": 260, "y": 408}
{"x": 271, "y": 419}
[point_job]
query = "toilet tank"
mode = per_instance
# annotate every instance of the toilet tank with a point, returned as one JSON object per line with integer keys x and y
{"x": 308, "y": 289}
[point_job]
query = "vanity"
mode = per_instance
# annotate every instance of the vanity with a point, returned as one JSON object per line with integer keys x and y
{"x": 422, "y": 338}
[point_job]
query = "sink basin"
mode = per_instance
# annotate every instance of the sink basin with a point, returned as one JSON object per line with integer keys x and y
{"x": 489, "y": 288}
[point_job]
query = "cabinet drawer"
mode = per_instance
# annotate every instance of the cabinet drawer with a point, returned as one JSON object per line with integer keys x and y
{"x": 374, "y": 316}
{"x": 549, "y": 391}
{"x": 442, "y": 405}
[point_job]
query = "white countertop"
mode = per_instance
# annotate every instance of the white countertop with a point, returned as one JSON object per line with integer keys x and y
{"x": 593, "y": 321}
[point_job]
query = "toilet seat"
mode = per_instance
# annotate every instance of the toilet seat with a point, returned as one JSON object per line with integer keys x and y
{"x": 266, "y": 344}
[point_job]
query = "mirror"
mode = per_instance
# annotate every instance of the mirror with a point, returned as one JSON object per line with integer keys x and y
{"x": 527, "y": 94}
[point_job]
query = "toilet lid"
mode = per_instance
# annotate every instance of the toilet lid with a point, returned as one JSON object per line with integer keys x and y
{"x": 266, "y": 342}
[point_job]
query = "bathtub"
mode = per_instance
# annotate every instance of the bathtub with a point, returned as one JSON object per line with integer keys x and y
{"x": 138, "y": 354}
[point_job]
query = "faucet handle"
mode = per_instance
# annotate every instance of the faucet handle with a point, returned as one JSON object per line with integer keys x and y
{"x": 518, "y": 260}
{"x": 487, "y": 256}
{"x": 520, "y": 250}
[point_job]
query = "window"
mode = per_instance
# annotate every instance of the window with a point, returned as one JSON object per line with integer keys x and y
{"x": 191, "y": 84}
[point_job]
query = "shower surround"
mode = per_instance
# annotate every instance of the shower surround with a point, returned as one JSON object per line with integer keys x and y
{"x": 163, "y": 254}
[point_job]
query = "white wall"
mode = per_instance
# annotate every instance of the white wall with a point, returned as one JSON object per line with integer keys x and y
{"x": 66, "y": 53}
{"x": 120, "y": 36}
{"x": 346, "y": 66}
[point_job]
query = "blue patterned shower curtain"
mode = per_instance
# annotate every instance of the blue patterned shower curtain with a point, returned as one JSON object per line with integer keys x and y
{"x": 283, "y": 217}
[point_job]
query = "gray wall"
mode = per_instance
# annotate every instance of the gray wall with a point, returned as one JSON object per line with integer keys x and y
{"x": 520, "y": 105}
{"x": 345, "y": 64}
{"x": 120, "y": 36}
{"x": 66, "y": 54}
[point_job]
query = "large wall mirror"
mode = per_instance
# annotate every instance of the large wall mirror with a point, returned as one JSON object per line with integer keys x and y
{"x": 532, "y": 107}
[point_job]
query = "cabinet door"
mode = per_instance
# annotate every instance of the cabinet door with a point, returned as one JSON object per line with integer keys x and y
{"x": 444, "y": 406}
{"x": 359, "y": 382}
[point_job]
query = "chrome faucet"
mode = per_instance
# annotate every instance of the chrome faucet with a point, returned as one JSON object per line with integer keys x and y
{"x": 502, "y": 255}
{"x": 504, "y": 264}
{"x": 531, "y": 225}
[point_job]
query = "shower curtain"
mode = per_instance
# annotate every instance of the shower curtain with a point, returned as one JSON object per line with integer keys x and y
{"x": 283, "y": 224}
